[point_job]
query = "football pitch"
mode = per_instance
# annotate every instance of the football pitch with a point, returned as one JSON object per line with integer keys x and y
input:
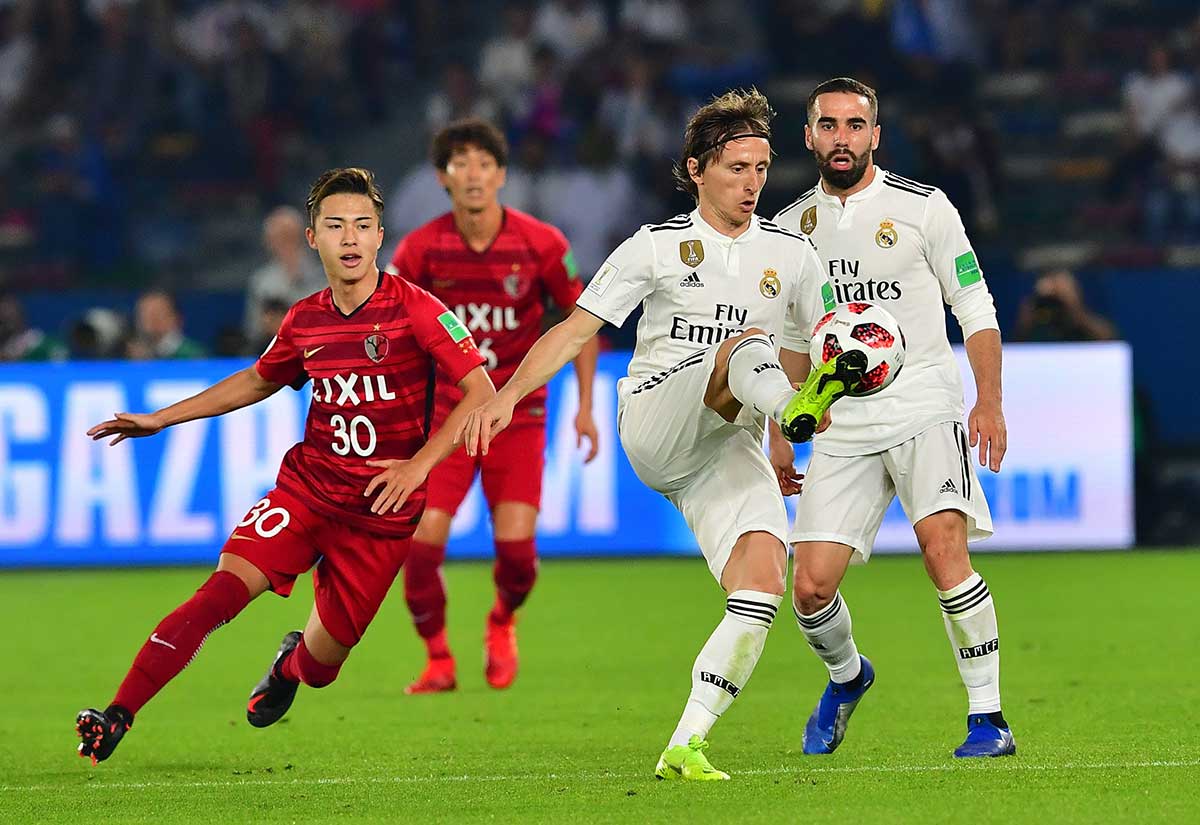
{"x": 1099, "y": 674}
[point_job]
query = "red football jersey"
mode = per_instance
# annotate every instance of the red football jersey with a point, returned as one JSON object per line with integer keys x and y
{"x": 499, "y": 294}
{"x": 373, "y": 377}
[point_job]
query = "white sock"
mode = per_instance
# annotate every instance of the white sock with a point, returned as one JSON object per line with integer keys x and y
{"x": 756, "y": 377}
{"x": 726, "y": 662}
{"x": 828, "y": 634}
{"x": 970, "y": 619}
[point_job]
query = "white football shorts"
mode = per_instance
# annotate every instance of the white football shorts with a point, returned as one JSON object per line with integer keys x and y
{"x": 845, "y": 497}
{"x": 715, "y": 472}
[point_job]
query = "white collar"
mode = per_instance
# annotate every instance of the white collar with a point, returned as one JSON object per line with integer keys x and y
{"x": 708, "y": 231}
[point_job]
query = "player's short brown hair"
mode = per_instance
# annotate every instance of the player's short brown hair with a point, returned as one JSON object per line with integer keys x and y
{"x": 471, "y": 131}
{"x": 737, "y": 113}
{"x": 351, "y": 180}
{"x": 843, "y": 84}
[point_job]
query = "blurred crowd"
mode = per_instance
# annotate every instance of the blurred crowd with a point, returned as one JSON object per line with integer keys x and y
{"x": 153, "y": 145}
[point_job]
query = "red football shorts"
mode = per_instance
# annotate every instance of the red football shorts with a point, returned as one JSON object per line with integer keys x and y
{"x": 512, "y": 470}
{"x": 283, "y": 538}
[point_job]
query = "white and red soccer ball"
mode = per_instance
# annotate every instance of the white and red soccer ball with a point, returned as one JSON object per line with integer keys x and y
{"x": 868, "y": 328}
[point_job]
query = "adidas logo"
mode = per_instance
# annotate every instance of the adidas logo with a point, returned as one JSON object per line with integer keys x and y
{"x": 948, "y": 487}
{"x": 692, "y": 280}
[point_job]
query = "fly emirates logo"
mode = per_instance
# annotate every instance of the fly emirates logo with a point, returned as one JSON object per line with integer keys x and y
{"x": 728, "y": 320}
{"x": 351, "y": 390}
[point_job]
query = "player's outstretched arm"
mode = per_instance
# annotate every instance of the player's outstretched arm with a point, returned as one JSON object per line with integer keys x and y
{"x": 238, "y": 390}
{"x": 585, "y": 376}
{"x": 986, "y": 421}
{"x": 548, "y": 355}
{"x": 399, "y": 478}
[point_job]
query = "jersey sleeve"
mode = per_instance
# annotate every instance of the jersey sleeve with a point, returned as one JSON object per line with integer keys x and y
{"x": 442, "y": 335}
{"x": 282, "y": 362}
{"x": 812, "y": 299}
{"x": 623, "y": 281}
{"x": 408, "y": 261}
{"x": 953, "y": 262}
{"x": 559, "y": 274}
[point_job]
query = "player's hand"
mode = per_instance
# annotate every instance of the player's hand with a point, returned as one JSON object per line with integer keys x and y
{"x": 395, "y": 484}
{"x": 783, "y": 460}
{"x": 127, "y": 425}
{"x": 585, "y": 427}
{"x": 483, "y": 424}
{"x": 989, "y": 433}
{"x": 824, "y": 423}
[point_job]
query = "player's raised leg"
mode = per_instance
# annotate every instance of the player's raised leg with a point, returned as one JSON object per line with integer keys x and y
{"x": 313, "y": 658}
{"x": 753, "y": 578}
{"x": 824, "y": 619}
{"x": 514, "y": 573}
{"x": 970, "y": 619}
{"x": 425, "y": 592}
{"x": 172, "y": 645}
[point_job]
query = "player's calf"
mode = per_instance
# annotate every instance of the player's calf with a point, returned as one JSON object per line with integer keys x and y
{"x": 101, "y": 732}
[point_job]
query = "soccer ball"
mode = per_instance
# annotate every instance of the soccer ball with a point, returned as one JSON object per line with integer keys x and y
{"x": 868, "y": 328}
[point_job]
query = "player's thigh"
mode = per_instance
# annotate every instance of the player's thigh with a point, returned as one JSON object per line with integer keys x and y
{"x": 272, "y": 544}
{"x": 353, "y": 577}
{"x": 818, "y": 568}
{"x": 512, "y": 480}
{"x": 434, "y": 527}
{"x": 449, "y": 482}
{"x": 933, "y": 472}
{"x": 733, "y": 495}
{"x": 757, "y": 562}
{"x": 843, "y": 502}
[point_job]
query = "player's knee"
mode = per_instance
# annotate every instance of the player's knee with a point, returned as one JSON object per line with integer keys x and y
{"x": 750, "y": 331}
{"x": 810, "y": 595}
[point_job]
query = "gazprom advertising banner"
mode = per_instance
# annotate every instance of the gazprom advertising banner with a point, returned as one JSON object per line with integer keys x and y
{"x": 65, "y": 500}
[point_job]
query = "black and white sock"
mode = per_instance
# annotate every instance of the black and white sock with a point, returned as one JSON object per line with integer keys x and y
{"x": 756, "y": 377}
{"x": 726, "y": 661}
{"x": 828, "y": 634}
{"x": 970, "y": 619}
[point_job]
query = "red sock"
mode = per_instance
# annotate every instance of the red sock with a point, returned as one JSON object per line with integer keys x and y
{"x": 178, "y": 638}
{"x": 425, "y": 592}
{"x": 302, "y": 667}
{"x": 515, "y": 572}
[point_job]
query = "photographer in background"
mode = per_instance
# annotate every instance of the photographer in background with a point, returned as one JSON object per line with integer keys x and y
{"x": 1055, "y": 311}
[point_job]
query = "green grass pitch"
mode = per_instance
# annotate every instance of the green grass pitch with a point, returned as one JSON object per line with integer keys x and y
{"x": 1099, "y": 676}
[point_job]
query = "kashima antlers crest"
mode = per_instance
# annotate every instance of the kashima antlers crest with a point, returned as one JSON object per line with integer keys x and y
{"x": 376, "y": 346}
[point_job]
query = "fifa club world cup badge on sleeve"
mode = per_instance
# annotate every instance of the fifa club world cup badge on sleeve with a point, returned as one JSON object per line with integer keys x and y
{"x": 886, "y": 237}
{"x": 691, "y": 253}
{"x": 769, "y": 286}
{"x": 376, "y": 346}
{"x": 808, "y": 221}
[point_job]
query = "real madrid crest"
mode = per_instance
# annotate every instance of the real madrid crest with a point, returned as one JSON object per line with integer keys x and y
{"x": 691, "y": 253}
{"x": 376, "y": 346}
{"x": 886, "y": 237}
{"x": 769, "y": 286}
{"x": 808, "y": 221}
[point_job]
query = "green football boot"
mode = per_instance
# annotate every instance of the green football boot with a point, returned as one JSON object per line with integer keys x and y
{"x": 687, "y": 762}
{"x": 824, "y": 385}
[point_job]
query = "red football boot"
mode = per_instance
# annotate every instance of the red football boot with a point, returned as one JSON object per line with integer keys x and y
{"x": 437, "y": 678}
{"x": 500, "y": 650}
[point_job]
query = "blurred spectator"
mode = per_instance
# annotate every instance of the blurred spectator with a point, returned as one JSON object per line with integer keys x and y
{"x": 270, "y": 316}
{"x": 18, "y": 342}
{"x": 16, "y": 57}
{"x": 159, "y": 330}
{"x": 418, "y": 198}
{"x": 506, "y": 64}
{"x": 1055, "y": 311}
{"x": 99, "y": 334}
{"x": 1173, "y": 200}
{"x": 572, "y": 28}
{"x": 659, "y": 21}
{"x": 958, "y": 156}
{"x": 1154, "y": 95}
{"x": 293, "y": 272}
{"x": 632, "y": 110}
{"x": 459, "y": 97}
{"x": 542, "y": 112}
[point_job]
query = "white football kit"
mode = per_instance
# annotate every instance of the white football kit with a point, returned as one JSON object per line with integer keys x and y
{"x": 699, "y": 288}
{"x": 899, "y": 244}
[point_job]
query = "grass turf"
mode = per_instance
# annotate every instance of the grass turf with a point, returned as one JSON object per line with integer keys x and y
{"x": 1099, "y": 675}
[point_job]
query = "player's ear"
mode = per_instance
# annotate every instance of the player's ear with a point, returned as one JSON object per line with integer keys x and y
{"x": 875, "y": 138}
{"x": 311, "y": 237}
{"x": 808, "y": 137}
{"x": 502, "y": 177}
{"x": 693, "y": 167}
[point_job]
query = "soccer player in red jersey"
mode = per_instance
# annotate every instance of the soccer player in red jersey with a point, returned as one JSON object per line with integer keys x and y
{"x": 494, "y": 267}
{"x": 349, "y": 496}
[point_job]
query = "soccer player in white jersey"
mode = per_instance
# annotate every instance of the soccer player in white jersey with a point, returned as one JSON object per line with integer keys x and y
{"x": 722, "y": 292}
{"x": 900, "y": 244}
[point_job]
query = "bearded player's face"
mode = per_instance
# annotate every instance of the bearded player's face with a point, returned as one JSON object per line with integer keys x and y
{"x": 347, "y": 236}
{"x": 473, "y": 178}
{"x": 842, "y": 136}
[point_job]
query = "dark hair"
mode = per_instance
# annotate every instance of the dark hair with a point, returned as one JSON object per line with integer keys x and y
{"x": 472, "y": 131}
{"x": 352, "y": 181}
{"x": 737, "y": 113}
{"x": 843, "y": 84}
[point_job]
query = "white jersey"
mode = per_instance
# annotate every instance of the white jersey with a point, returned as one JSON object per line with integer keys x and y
{"x": 902, "y": 245}
{"x": 701, "y": 287}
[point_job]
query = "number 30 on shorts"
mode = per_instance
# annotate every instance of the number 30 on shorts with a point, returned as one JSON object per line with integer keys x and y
{"x": 268, "y": 521}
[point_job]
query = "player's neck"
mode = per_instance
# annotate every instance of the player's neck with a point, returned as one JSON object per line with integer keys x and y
{"x": 721, "y": 222}
{"x": 479, "y": 229}
{"x": 349, "y": 296}
{"x": 841, "y": 194}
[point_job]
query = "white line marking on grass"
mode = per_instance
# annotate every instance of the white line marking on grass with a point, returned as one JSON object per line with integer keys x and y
{"x": 992, "y": 765}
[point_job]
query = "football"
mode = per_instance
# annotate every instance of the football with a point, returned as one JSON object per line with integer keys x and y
{"x": 868, "y": 328}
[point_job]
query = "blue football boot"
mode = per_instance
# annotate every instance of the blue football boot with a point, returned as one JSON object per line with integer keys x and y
{"x": 827, "y": 726}
{"x": 986, "y": 738}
